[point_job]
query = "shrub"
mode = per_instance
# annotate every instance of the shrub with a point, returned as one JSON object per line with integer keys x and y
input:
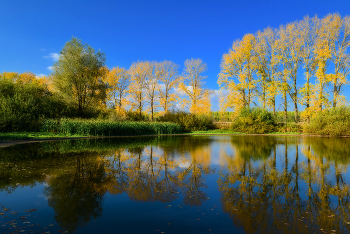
{"x": 254, "y": 120}
{"x": 332, "y": 121}
{"x": 289, "y": 127}
{"x": 188, "y": 121}
{"x": 23, "y": 105}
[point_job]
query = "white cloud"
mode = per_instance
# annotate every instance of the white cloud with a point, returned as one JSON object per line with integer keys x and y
{"x": 49, "y": 68}
{"x": 53, "y": 56}
{"x": 39, "y": 75}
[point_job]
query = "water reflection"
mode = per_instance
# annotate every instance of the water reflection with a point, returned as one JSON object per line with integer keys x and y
{"x": 300, "y": 195}
{"x": 265, "y": 184}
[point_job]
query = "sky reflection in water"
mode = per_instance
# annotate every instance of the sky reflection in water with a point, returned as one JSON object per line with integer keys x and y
{"x": 187, "y": 184}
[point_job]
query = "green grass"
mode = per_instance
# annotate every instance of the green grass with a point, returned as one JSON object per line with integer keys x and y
{"x": 32, "y": 135}
{"x": 223, "y": 131}
{"x": 215, "y": 131}
{"x": 285, "y": 133}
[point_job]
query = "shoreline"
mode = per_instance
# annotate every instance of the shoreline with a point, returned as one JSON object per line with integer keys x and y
{"x": 8, "y": 143}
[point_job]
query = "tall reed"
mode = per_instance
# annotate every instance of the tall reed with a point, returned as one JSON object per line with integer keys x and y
{"x": 107, "y": 128}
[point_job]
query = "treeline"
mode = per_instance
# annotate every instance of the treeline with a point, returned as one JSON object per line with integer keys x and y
{"x": 262, "y": 69}
{"x": 82, "y": 79}
{"x": 268, "y": 66}
{"x": 81, "y": 86}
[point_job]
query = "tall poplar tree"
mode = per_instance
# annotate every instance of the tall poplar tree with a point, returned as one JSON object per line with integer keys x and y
{"x": 192, "y": 86}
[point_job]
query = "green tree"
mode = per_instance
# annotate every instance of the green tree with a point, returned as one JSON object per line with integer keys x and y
{"x": 77, "y": 75}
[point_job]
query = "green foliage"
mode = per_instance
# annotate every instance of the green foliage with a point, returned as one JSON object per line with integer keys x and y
{"x": 107, "y": 128}
{"x": 77, "y": 75}
{"x": 222, "y": 116}
{"x": 23, "y": 105}
{"x": 279, "y": 118}
{"x": 135, "y": 116}
{"x": 289, "y": 127}
{"x": 188, "y": 121}
{"x": 253, "y": 121}
{"x": 333, "y": 121}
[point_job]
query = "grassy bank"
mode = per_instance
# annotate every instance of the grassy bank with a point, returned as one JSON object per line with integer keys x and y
{"x": 10, "y": 136}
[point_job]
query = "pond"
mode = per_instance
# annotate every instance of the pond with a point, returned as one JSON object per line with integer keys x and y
{"x": 179, "y": 184}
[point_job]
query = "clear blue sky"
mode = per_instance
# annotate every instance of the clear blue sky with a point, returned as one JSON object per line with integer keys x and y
{"x": 128, "y": 31}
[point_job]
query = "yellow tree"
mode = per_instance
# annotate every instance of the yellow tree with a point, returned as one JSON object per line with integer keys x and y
{"x": 118, "y": 80}
{"x": 308, "y": 32}
{"x": 339, "y": 43}
{"x": 168, "y": 75}
{"x": 152, "y": 88}
{"x": 9, "y": 75}
{"x": 323, "y": 54}
{"x": 139, "y": 73}
{"x": 26, "y": 77}
{"x": 192, "y": 85}
{"x": 295, "y": 42}
{"x": 238, "y": 64}
{"x": 284, "y": 52}
{"x": 267, "y": 67}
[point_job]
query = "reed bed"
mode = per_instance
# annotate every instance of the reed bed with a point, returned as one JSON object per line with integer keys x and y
{"x": 107, "y": 128}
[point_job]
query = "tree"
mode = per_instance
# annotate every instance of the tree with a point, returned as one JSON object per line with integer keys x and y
{"x": 139, "y": 73}
{"x": 77, "y": 75}
{"x": 295, "y": 42}
{"x": 152, "y": 88}
{"x": 170, "y": 78}
{"x": 323, "y": 55}
{"x": 339, "y": 43}
{"x": 238, "y": 64}
{"x": 284, "y": 52}
{"x": 267, "y": 67}
{"x": 192, "y": 86}
{"x": 309, "y": 28}
{"x": 118, "y": 80}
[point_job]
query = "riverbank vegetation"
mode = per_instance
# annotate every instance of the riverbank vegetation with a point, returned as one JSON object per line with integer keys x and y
{"x": 261, "y": 72}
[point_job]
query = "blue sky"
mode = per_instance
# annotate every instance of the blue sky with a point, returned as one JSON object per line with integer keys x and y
{"x": 31, "y": 32}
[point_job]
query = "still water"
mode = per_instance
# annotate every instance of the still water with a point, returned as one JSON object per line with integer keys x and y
{"x": 183, "y": 184}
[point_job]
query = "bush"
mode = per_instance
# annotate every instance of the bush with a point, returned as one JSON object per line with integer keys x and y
{"x": 332, "y": 121}
{"x": 23, "y": 105}
{"x": 187, "y": 121}
{"x": 107, "y": 128}
{"x": 289, "y": 127}
{"x": 254, "y": 121}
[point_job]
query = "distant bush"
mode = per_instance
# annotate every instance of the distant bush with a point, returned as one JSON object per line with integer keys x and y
{"x": 107, "y": 128}
{"x": 187, "y": 121}
{"x": 254, "y": 121}
{"x": 332, "y": 121}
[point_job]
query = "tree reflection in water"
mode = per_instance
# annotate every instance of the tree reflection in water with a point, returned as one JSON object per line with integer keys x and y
{"x": 300, "y": 196}
{"x": 267, "y": 184}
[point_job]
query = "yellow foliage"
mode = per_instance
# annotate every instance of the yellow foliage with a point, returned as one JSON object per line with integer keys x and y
{"x": 117, "y": 80}
{"x": 238, "y": 64}
{"x": 192, "y": 86}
